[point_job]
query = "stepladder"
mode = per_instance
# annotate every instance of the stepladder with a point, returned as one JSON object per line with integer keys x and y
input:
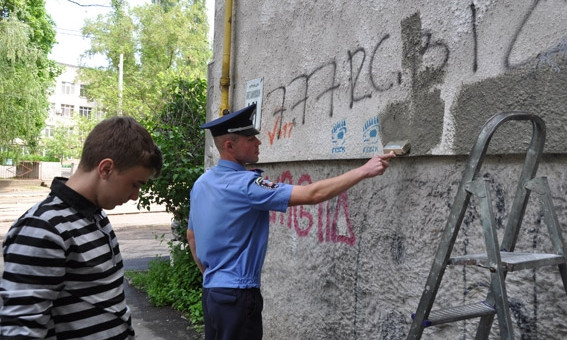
{"x": 500, "y": 256}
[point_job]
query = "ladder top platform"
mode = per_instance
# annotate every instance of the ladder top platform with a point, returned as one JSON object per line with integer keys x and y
{"x": 512, "y": 260}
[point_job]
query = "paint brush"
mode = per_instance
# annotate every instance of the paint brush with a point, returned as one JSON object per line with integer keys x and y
{"x": 400, "y": 147}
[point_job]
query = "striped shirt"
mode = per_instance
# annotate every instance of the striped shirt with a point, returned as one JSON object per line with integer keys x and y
{"x": 63, "y": 273}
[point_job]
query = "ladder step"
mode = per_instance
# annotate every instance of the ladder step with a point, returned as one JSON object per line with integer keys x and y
{"x": 511, "y": 260}
{"x": 457, "y": 313}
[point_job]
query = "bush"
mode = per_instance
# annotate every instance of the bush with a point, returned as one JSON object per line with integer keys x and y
{"x": 176, "y": 130}
{"x": 175, "y": 283}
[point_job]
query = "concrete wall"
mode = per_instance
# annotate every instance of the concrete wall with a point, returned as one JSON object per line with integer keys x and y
{"x": 7, "y": 171}
{"x": 340, "y": 79}
{"x": 33, "y": 170}
{"x": 49, "y": 170}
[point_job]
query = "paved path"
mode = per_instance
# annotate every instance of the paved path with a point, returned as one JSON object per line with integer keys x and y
{"x": 139, "y": 235}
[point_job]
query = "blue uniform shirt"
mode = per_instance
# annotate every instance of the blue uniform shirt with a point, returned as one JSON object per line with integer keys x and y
{"x": 229, "y": 215}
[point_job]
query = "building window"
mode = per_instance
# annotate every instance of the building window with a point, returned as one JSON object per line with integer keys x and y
{"x": 83, "y": 90}
{"x": 52, "y": 110}
{"x": 67, "y": 88}
{"x": 85, "y": 111}
{"x": 47, "y": 131}
{"x": 67, "y": 110}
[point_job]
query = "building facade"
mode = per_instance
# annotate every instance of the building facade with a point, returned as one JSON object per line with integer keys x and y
{"x": 67, "y": 100}
{"x": 338, "y": 80}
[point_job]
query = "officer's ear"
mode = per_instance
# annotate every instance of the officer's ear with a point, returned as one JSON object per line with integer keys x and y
{"x": 228, "y": 144}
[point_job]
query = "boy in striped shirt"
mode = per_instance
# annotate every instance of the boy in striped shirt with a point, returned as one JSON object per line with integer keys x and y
{"x": 63, "y": 273}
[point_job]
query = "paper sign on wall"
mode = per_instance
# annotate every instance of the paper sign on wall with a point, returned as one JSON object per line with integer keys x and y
{"x": 254, "y": 95}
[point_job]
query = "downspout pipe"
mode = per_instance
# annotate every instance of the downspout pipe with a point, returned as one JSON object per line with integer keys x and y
{"x": 225, "y": 76}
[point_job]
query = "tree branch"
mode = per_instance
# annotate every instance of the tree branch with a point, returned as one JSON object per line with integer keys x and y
{"x": 88, "y": 5}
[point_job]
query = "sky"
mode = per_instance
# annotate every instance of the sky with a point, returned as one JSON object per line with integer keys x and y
{"x": 69, "y": 18}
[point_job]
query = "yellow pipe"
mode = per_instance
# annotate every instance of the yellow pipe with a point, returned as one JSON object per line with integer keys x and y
{"x": 225, "y": 76}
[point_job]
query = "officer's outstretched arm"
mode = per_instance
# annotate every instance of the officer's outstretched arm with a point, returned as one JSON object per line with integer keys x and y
{"x": 325, "y": 189}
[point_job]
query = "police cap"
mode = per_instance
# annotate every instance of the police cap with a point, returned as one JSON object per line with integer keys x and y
{"x": 239, "y": 122}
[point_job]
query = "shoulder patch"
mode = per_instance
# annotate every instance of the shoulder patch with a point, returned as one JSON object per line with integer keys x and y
{"x": 264, "y": 183}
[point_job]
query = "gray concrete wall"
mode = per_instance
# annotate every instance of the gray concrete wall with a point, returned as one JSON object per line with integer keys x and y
{"x": 49, "y": 170}
{"x": 340, "y": 79}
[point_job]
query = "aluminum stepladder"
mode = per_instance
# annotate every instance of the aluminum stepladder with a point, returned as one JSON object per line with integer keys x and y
{"x": 499, "y": 259}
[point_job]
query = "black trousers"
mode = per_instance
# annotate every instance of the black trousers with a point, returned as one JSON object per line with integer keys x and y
{"x": 232, "y": 314}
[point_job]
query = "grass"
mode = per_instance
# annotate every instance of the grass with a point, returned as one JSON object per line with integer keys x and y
{"x": 176, "y": 283}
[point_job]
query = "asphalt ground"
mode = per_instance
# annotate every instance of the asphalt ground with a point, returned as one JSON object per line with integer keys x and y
{"x": 142, "y": 237}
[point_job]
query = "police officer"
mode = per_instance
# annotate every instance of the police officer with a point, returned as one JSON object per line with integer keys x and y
{"x": 229, "y": 223}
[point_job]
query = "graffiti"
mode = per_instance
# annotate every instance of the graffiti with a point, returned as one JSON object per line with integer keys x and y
{"x": 397, "y": 248}
{"x": 526, "y": 324}
{"x": 425, "y": 57}
{"x": 370, "y": 135}
{"x": 338, "y": 135}
{"x": 393, "y": 326}
{"x": 331, "y": 218}
{"x": 550, "y": 57}
{"x": 362, "y": 71}
{"x": 354, "y": 75}
{"x": 280, "y": 111}
{"x": 281, "y": 131}
{"x": 515, "y": 37}
{"x": 499, "y": 200}
{"x": 306, "y": 78}
{"x": 371, "y": 69}
{"x": 475, "y": 38}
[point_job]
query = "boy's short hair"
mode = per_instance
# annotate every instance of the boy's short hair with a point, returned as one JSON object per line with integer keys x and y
{"x": 123, "y": 140}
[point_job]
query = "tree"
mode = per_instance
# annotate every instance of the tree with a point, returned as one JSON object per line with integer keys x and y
{"x": 27, "y": 35}
{"x": 158, "y": 42}
{"x": 165, "y": 50}
{"x": 61, "y": 144}
{"x": 177, "y": 132}
{"x": 67, "y": 139}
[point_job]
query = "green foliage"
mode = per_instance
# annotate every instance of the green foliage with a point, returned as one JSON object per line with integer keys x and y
{"x": 165, "y": 51}
{"x": 177, "y": 132}
{"x": 32, "y": 12}
{"x": 66, "y": 142}
{"x": 38, "y": 158}
{"x": 63, "y": 143}
{"x": 159, "y": 42}
{"x": 27, "y": 35}
{"x": 173, "y": 37}
{"x": 175, "y": 283}
{"x": 12, "y": 159}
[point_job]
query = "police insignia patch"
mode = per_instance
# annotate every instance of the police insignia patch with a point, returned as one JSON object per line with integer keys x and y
{"x": 264, "y": 183}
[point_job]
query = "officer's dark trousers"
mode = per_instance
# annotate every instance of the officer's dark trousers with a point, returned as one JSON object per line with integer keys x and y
{"x": 232, "y": 314}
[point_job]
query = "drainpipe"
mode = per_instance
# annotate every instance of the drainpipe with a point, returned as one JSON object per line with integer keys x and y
{"x": 225, "y": 76}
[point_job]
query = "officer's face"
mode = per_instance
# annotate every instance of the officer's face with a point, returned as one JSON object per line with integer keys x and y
{"x": 247, "y": 149}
